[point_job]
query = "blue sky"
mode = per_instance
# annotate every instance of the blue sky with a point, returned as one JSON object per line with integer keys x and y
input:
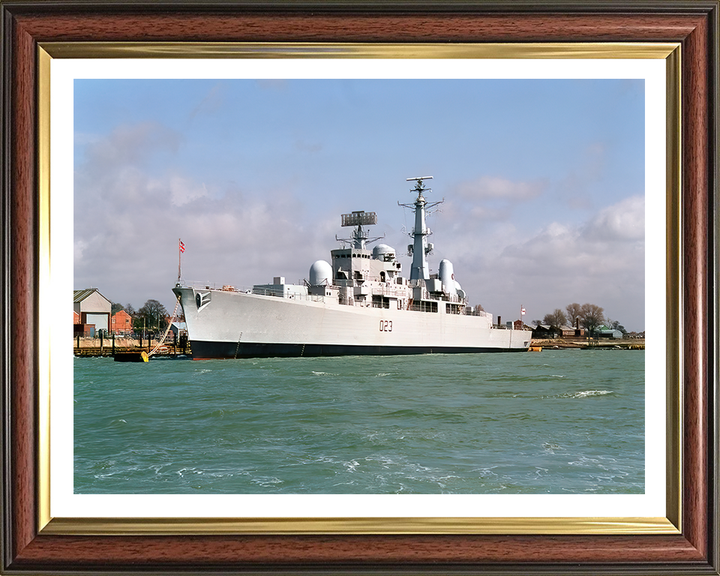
{"x": 543, "y": 182}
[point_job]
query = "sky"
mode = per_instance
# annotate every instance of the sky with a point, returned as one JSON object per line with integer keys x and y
{"x": 542, "y": 182}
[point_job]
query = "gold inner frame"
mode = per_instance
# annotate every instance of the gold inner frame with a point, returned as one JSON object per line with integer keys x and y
{"x": 671, "y": 524}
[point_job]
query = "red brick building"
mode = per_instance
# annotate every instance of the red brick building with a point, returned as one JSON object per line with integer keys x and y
{"x": 121, "y": 322}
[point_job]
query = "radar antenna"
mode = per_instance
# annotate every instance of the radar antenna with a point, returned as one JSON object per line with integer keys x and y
{"x": 360, "y": 235}
{"x": 419, "y": 179}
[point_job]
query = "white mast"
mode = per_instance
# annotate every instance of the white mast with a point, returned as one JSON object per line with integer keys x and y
{"x": 420, "y": 246}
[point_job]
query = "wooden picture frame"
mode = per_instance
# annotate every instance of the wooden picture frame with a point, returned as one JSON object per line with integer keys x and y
{"x": 26, "y": 25}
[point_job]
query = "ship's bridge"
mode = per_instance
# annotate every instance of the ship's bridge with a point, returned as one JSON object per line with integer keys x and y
{"x": 352, "y": 266}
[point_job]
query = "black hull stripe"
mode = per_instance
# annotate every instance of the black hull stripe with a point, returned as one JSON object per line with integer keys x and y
{"x": 205, "y": 350}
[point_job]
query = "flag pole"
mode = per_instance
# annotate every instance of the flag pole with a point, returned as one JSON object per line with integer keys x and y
{"x": 179, "y": 258}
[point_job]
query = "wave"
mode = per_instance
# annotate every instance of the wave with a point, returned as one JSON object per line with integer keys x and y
{"x": 586, "y": 394}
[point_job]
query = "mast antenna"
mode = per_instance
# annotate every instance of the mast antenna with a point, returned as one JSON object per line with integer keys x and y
{"x": 420, "y": 186}
{"x": 420, "y": 247}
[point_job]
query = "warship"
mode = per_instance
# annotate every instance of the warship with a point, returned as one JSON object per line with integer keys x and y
{"x": 358, "y": 303}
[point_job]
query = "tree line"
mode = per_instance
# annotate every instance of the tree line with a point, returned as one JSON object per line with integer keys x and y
{"x": 588, "y": 316}
{"x": 151, "y": 316}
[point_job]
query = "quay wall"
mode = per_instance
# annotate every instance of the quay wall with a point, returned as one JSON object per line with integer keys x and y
{"x": 91, "y": 347}
{"x": 587, "y": 344}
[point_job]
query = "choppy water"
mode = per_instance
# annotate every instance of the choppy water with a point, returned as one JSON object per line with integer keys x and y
{"x": 566, "y": 421}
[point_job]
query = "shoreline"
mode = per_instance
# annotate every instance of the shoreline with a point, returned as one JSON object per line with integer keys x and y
{"x": 542, "y": 343}
{"x": 586, "y": 344}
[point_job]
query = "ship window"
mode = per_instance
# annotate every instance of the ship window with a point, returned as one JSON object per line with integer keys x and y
{"x": 379, "y": 301}
{"x": 453, "y": 308}
{"x": 424, "y": 306}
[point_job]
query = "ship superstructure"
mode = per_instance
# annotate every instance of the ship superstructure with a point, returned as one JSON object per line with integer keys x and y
{"x": 359, "y": 303}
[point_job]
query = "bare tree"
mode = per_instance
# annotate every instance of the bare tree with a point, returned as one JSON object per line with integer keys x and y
{"x": 556, "y": 319}
{"x": 154, "y": 314}
{"x": 573, "y": 312}
{"x": 591, "y": 316}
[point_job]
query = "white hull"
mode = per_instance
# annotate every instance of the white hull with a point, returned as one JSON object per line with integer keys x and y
{"x": 230, "y": 324}
{"x": 357, "y": 304}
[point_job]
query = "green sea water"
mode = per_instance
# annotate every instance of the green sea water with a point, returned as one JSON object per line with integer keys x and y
{"x": 555, "y": 422}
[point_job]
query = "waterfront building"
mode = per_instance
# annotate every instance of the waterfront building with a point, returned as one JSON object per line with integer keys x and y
{"x": 93, "y": 308}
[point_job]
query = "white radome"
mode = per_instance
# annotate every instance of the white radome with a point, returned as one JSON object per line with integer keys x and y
{"x": 320, "y": 273}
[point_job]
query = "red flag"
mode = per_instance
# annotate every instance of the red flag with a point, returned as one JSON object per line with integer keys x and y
{"x": 182, "y": 246}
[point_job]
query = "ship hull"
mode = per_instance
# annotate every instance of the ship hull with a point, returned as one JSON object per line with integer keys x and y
{"x": 207, "y": 350}
{"x": 228, "y": 324}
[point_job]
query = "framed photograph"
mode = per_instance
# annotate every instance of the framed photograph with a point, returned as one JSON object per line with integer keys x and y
{"x": 69, "y": 66}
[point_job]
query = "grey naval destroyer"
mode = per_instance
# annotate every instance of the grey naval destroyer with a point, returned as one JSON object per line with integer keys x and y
{"x": 358, "y": 304}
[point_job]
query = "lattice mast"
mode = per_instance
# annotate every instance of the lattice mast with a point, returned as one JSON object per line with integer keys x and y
{"x": 420, "y": 247}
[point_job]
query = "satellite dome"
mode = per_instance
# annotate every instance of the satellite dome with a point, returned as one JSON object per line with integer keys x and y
{"x": 383, "y": 252}
{"x": 320, "y": 273}
{"x": 447, "y": 277}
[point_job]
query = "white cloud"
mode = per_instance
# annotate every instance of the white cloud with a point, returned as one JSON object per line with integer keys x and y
{"x": 600, "y": 260}
{"x": 78, "y": 249}
{"x": 494, "y": 187}
{"x": 182, "y": 190}
{"x": 623, "y": 221}
{"x": 128, "y": 221}
{"x": 610, "y": 244}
